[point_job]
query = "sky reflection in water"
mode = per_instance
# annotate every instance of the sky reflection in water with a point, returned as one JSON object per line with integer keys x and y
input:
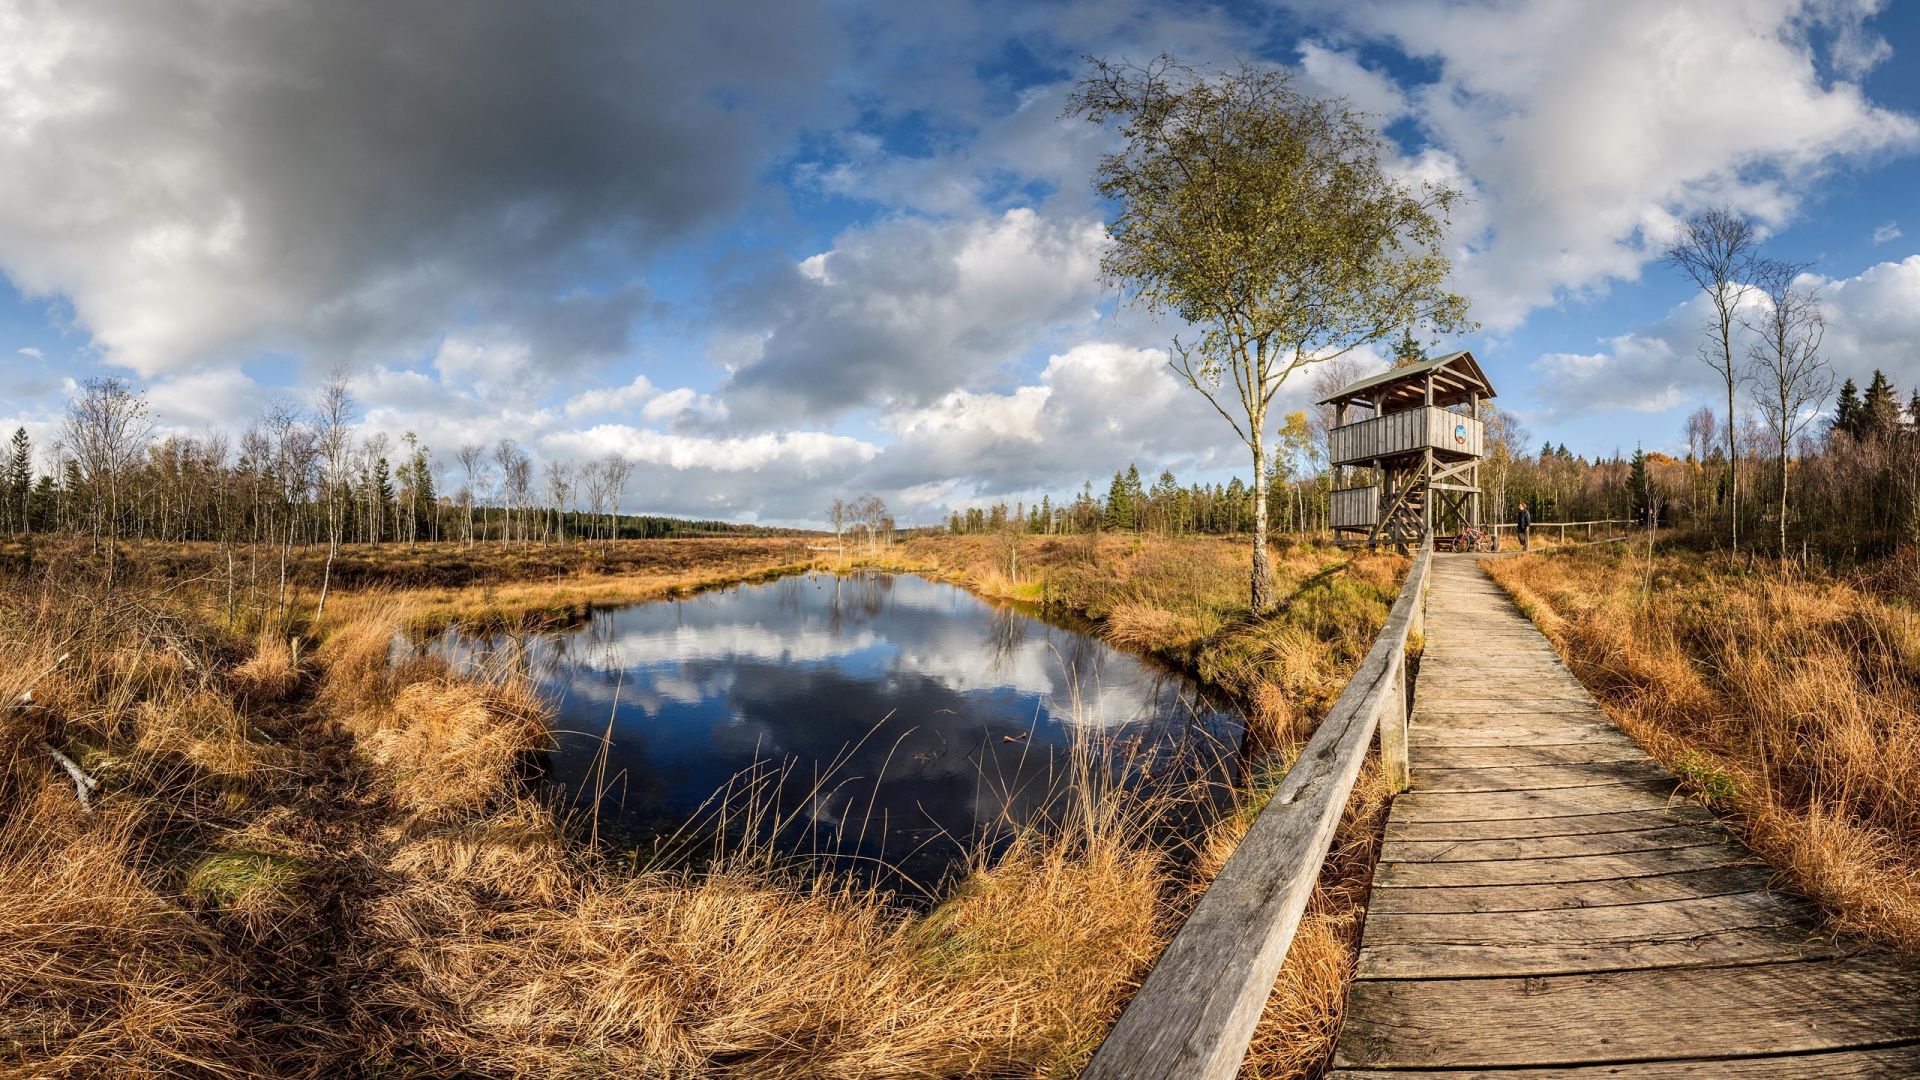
{"x": 918, "y": 687}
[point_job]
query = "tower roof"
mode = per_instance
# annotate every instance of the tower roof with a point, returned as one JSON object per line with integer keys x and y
{"x": 1455, "y": 376}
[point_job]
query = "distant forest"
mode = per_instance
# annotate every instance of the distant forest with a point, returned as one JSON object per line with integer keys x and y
{"x": 1854, "y": 475}
{"x": 301, "y": 479}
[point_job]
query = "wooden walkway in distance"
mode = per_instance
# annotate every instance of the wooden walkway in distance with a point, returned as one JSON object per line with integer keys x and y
{"x": 1544, "y": 903}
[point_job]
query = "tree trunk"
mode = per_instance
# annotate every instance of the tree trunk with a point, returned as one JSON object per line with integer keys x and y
{"x": 1783, "y": 498}
{"x": 1733, "y": 460}
{"x": 1262, "y": 597}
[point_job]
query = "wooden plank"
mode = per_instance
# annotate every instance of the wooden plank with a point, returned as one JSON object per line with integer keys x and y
{"x": 1481, "y": 806}
{"x": 1539, "y": 777}
{"x": 1196, "y": 1011}
{"x": 1414, "y": 875}
{"x": 1399, "y": 828}
{"x": 1484, "y": 757}
{"x": 1884, "y": 1063}
{"x": 1738, "y": 928}
{"x": 1501, "y": 703}
{"x": 1559, "y": 896}
{"x": 1427, "y": 734}
{"x": 1554, "y": 847}
{"x": 1628, "y": 1016}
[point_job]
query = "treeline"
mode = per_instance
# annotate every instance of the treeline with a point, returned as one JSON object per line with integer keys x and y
{"x": 303, "y": 477}
{"x": 1128, "y": 506}
{"x": 1854, "y": 475}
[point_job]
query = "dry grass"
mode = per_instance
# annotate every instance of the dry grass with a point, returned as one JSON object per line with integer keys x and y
{"x": 1186, "y": 601}
{"x": 1791, "y": 704}
{"x": 306, "y": 859}
{"x": 99, "y": 971}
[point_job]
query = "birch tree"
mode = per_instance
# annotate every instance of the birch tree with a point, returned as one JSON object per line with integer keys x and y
{"x": 1717, "y": 250}
{"x": 106, "y": 431}
{"x": 1263, "y": 218}
{"x": 333, "y": 430}
{"x": 1791, "y": 380}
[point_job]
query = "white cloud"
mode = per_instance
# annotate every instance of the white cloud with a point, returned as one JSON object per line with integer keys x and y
{"x": 1094, "y": 408}
{"x": 600, "y": 401}
{"x": 1872, "y": 319}
{"x": 1886, "y": 233}
{"x": 225, "y": 399}
{"x": 33, "y": 353}
{"x": 905, "y": 310}
{"x": 1335, "y": 72}
{"x": 1585, "y": 129}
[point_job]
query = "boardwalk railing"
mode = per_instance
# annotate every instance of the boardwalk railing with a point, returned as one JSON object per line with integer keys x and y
{"x": 1196, "y": 1011}
{"x": 1608, "y": 530}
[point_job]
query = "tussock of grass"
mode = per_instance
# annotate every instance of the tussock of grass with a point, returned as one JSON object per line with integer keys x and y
{"x": 1791, "y": 703}
{"x": 99, "y": 971}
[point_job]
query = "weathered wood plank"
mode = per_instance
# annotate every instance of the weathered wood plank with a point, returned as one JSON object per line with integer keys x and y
{"x": 1428, "y": 758}
{"x": 1413, "y": 875}
{"x": 1628, "y": 1016}
{"x": 1885, "y": 1063}
{"x": 1549, "y": 847}
{"x": 1533, "y": 735}
{"x": 1718, "y": 881}
{"x": 1195, "y": 1013}
{"x": 1482, "y": 806}
{"x": 1575, "y": 824}
{"x": 1733, "y": 929}
{"x": 1538, "y": 777}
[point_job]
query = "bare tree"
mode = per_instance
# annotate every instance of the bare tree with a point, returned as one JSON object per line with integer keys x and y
{"x": 472, "y": 459}
{"x": 520, "y": 488}
{"x": 373, "y": 452}
{"x": 616, "y": 470}
{"x": 106, "y": 431}
{"x": 1506, "y": 441}
{"x": 837, "y": 513}
{"x": 1792, "y": 379}
{"x": 290, "y": 451}
{"x": 504, "y": 453}
{"x": 593, "y": 476}
{"x": 872, "y": 515}
{"x": 1703, "y": 434}
{"x": 559, "y": 477}
{"x": 333, "y": 431}
{"x": 1717, "y": 249}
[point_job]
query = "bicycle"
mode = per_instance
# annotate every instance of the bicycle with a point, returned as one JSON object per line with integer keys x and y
{"x": 1473, "y": 538}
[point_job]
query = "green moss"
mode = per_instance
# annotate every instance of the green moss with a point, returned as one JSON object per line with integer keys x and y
{"x": 245, "y": 879}
{"x": 1714, "y": 785}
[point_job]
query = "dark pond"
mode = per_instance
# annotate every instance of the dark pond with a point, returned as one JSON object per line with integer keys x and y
{"x": 891, "y": 718}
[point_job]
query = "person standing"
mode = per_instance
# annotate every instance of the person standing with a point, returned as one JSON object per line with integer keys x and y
{"x": 1523, "y": 524}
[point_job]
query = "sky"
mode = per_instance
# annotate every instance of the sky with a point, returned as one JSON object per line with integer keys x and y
{"x": 778, "y": 252}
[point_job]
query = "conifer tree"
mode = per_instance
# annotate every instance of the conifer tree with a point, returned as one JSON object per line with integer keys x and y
{"x": 18, "y": 482}
{"x": 1879, "y": 412}
{"x": 1846, "y": 410}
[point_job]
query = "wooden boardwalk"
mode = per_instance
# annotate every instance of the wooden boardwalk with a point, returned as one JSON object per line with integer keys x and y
{"x": 1545, "y": 903}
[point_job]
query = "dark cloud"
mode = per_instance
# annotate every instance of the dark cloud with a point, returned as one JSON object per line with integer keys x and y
{"x": 338, "y": 175}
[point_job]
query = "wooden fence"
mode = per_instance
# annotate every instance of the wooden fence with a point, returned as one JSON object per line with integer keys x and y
{"x": 1557, "y": 530}
{"x": 1196, "y": 1011}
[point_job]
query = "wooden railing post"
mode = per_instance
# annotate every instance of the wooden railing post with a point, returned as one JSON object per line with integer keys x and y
{"x": 1396, "y": 708}
{"x": 1393, "y": 730}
